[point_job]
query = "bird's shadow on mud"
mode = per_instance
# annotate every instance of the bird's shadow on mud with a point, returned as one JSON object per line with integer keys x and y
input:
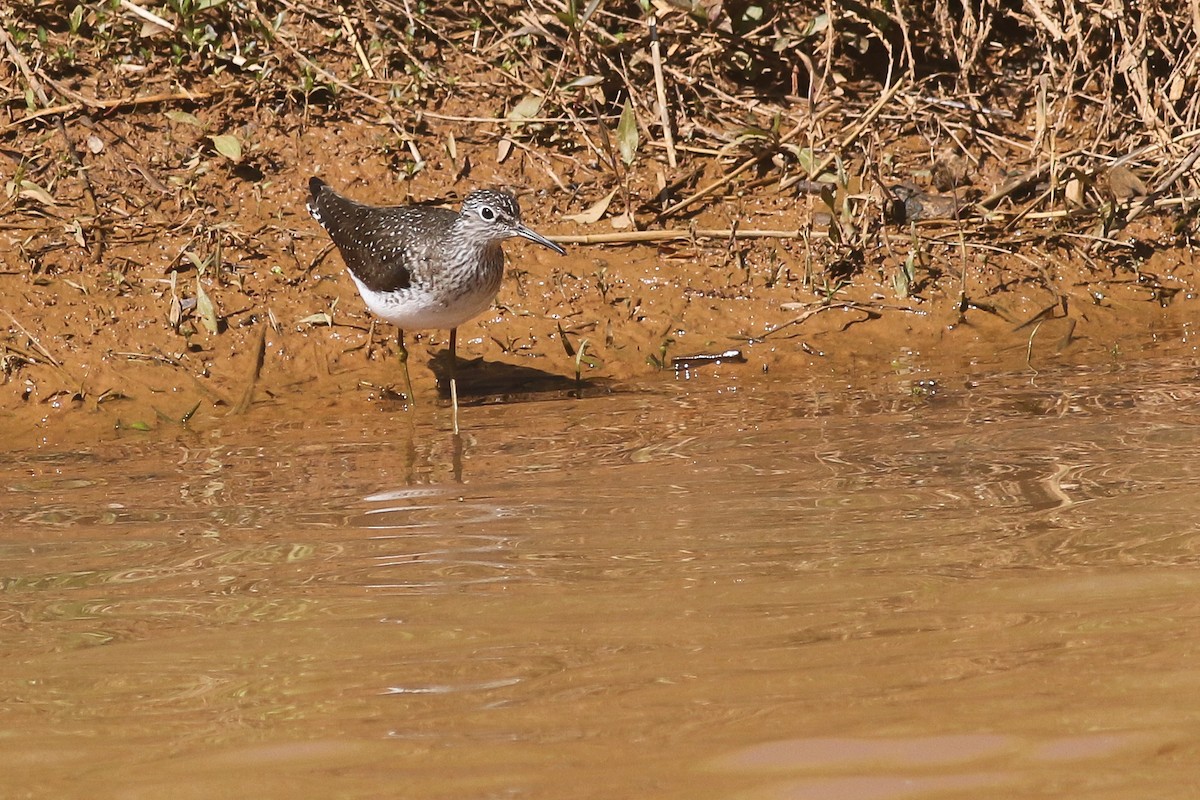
{"x": 482, "y": 382}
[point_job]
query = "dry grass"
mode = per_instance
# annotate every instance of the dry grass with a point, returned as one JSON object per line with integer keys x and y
{"x": 910, "y": 138}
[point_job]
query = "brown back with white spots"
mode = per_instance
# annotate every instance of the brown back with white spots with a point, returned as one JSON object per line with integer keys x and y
{"x": 382, "y": 246}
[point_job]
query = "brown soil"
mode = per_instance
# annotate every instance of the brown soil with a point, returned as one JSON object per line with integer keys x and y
{"x": 98, "y": 333}
{"x": 117, "y": 360}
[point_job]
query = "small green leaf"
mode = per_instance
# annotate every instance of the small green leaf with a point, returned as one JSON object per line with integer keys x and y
{"x": 197, "y": 264}
{"x": 583, "y": 81}
{"x": 184, "y": 117}
{"x": 205, "y": 308}
{"x": 30, "y": 190}
{"x": 566, "y": 343}
{"x": 627, "y": 134}
{"x": 527, "y": 108}
{"x": 803, "y": 155}
{"x": 228, "y": 146}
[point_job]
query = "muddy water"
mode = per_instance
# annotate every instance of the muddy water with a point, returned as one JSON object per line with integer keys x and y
{"x": 720, "y": 587}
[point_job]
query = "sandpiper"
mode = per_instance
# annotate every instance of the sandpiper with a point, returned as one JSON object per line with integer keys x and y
{"x": 424, "y": 267}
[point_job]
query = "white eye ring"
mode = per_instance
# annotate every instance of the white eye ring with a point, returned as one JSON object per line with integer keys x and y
{"x": 487, "y": 214}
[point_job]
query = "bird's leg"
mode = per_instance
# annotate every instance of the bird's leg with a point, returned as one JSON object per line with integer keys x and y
{"x": 453, "y": 379}
{"x": 404, "y": 366}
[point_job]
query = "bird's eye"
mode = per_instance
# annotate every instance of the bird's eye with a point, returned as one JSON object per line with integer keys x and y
{"x": 487, "y": 214}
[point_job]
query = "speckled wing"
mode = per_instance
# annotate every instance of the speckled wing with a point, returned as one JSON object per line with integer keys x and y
{"x": 378, "y": 244}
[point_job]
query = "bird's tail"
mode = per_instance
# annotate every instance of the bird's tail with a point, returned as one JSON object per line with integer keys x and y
{"x": 315, "y": 185}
